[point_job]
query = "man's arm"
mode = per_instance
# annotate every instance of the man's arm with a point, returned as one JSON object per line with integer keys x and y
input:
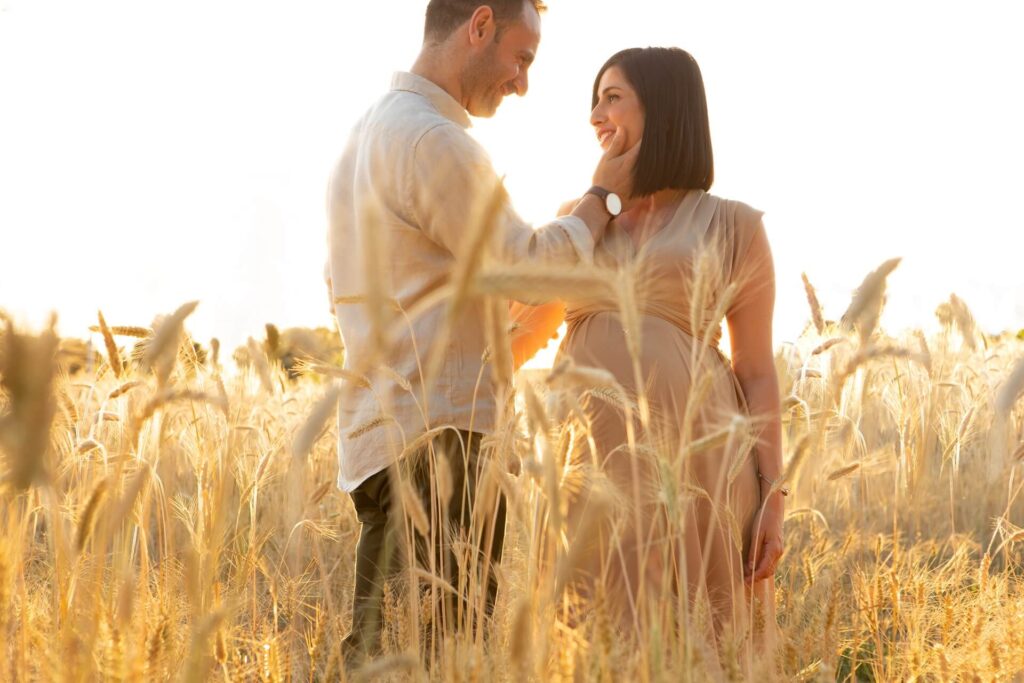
{"x": 453, "y": 190}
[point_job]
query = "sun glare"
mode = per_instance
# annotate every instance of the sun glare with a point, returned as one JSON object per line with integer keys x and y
{"x": 157, "y": 154}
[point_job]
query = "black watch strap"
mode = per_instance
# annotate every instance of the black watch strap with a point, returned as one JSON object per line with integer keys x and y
{"x": 611, "y": 201}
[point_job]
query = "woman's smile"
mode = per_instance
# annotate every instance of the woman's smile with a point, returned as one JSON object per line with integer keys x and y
{"x": 604, "y": 136}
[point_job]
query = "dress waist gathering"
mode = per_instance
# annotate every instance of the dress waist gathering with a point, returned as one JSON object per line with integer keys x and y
{"x": 576, "y": 317}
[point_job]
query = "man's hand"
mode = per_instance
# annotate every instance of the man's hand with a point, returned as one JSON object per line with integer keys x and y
{"x": 614, "y": 171}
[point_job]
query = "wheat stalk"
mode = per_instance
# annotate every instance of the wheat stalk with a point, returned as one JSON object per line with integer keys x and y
{"x": 314, "y": 424}
{"x": 1011, "y": 388}
{"x": 87, "y": 446}
{"x": 162, "y": 349}
{"x": 27, "y": 368}
{"x": 259, "y": 360}
{"x": 866, "y": 307}
{"x": 843, "y": 471}
{"x": 113, "y": 355}
{"x": 826, "y": 345}
{"x": 955, "y": 313}
{"x": 125, "y": 331}
{"x": 88, "y": 518}
{"x": 812, "y": 301}
{"x": 369, "y": 426}
{"x": 357, "y": 379}
{"x": 414, "y": 509}
{"x": 123, "y": 389}
{"x": 395, "y": 377}
{"x": 536, "y": 283}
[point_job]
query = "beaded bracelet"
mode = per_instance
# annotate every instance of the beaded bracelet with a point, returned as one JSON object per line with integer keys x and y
{"x": 784, "y": 490}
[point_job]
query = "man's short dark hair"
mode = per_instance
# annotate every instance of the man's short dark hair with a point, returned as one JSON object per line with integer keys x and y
{"x": 675, "y": 152}
{"x": 444, "y": 16}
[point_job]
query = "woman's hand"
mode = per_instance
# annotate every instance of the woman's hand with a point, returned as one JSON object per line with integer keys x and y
{"x": 767, "y": 545}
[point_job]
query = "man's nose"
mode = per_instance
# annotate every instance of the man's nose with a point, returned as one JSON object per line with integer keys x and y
{"x": 521, "y": 82}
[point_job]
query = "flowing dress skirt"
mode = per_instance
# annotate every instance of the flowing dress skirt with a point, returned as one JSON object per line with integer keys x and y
{"x": 674, "y": 504}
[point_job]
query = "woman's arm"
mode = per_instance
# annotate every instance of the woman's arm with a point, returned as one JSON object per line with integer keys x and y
{"x": 536, "y": 326}
{"x": 753, "y": 361}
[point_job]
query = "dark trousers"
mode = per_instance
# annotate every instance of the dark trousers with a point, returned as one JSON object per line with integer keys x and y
{"x": 383, "y": 538}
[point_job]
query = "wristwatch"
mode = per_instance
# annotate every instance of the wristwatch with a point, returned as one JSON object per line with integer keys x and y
{"x": 612, "y": 203}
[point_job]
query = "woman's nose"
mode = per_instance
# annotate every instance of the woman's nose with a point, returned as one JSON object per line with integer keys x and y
{"x": 597, "y": 116}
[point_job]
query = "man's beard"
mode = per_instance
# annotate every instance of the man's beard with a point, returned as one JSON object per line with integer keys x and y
{"x": 480, "y": 81}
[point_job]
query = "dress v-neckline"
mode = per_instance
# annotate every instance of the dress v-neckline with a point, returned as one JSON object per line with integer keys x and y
{"x": 637, "y": 249}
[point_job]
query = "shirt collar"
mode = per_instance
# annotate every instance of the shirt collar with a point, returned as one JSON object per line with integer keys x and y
{"x": 435, "y": 94}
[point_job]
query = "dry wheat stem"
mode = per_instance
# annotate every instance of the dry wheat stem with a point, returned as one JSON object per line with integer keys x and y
{"x": 259, "y": 359}
{"x": 123, "y": 389}
{"x": 165, "y": 340}
{"x": 311, "y": 429}
{"x": 866, "y": 306}
{"x": 812, "y": 301}
{"x": 113, "y": 355}
{"x": 843, "y": 472}
{"x": 126, "y": 331}
{"x": 369, "y": 426}
{"x": 827, "y": 344}
{"x": 88, "y": 518}
{"x": 1011, "y": 389}
{"x": 955, "y": 313}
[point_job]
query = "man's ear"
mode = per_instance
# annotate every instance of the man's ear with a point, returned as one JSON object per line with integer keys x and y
{"x": 481, "y": 26}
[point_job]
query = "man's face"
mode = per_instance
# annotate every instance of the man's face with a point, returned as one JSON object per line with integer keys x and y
{"x": 501, "y": 67}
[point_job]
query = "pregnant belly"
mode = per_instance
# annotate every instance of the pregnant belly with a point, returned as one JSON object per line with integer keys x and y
{"x": 666, "y": 354}
{"x": 599, "y": 340}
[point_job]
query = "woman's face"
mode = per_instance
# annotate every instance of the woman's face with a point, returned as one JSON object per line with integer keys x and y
{"x": 618, "y": 106}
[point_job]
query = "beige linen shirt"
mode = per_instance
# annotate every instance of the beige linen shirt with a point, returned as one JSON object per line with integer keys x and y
{"x": 408, "y": 187}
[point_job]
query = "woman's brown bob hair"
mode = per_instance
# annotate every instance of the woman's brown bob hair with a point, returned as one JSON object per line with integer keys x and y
{"x": 675, "y": 152}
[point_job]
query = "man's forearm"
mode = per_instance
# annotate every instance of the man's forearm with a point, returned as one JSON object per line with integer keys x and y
{"x": 591, "y": 210}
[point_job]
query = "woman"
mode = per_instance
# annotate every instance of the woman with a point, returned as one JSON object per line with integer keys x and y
{"x": 694, "y": 476}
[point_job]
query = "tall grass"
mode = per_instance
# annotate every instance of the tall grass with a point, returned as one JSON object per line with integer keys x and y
{"x": 160, "y": 520}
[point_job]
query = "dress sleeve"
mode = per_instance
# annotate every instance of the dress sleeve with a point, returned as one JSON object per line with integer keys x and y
{"x": 751, "y": 268}
{"x": 746, "y": 223}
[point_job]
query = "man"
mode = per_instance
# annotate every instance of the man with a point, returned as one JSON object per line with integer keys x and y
{"x": 406, "y": 196}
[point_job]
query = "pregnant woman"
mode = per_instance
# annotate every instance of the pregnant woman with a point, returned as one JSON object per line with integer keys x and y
{"x": 678, "y": 516}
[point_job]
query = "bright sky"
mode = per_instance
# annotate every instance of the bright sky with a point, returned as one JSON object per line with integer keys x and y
{"x": 157, "y": 152}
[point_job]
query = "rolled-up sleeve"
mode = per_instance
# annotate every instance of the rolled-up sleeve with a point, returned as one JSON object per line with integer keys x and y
{"x": 451, "y": 185}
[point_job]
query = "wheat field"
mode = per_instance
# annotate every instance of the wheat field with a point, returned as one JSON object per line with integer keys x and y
{"x": 164, "y": 517}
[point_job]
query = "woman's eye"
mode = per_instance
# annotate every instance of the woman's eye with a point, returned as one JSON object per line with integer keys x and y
{"x": 612, "y": 98}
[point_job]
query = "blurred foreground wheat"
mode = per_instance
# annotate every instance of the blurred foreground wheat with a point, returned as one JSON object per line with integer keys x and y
{"x": 160, "y": 518}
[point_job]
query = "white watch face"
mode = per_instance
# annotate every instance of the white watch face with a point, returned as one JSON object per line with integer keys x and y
{"x": 613, "y": 204}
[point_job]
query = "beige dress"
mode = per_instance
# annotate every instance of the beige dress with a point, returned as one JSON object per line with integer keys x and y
{"x": 664, "y": 509}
